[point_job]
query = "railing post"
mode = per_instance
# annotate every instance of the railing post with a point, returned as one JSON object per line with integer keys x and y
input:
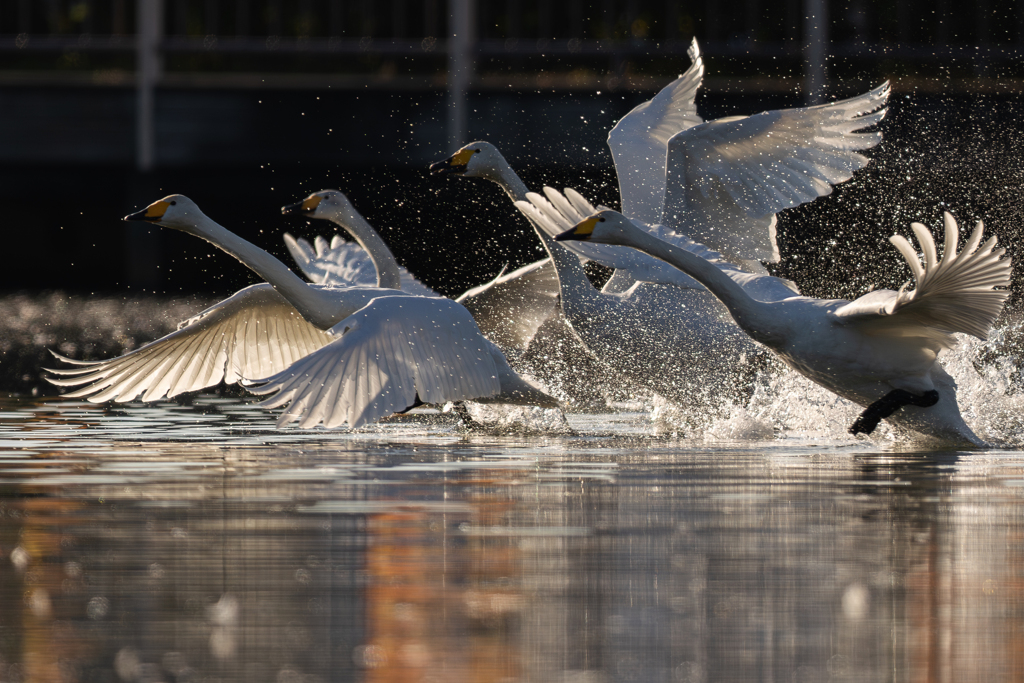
{"x": 149, "y": 28}
{"x": 142, "y": 242}
{"x": 815, "y": 50}
{"x": 461, "y": 30}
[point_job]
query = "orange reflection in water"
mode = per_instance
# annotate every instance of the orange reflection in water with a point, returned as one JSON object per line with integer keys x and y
{"x": 440, "y": 606}
{"x": 48, "y": 644}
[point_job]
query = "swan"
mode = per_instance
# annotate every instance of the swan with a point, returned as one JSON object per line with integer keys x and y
{"x": 369, "y": 261}
{"x": 719, "y": 183}
{"x": 380, "y": 350}
{"x": 879, "y": 351}
{"x": 619, "y": 330}
{"x": 679, "y": 176}
{"x": 508, "y": 309}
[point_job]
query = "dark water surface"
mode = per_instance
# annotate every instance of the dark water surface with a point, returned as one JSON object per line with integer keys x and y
{"x": 199, "y": 543}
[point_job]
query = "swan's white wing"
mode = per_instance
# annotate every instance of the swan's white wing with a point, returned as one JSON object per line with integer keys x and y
{"x": 559, "y": 214}
{"x": 253, "y": 333}
{"x": 639, "y": 142}
{"x": 344, "y": 264}
{"x": 953, "y": 295}
{"x": 726, "y": 178}
{"x": 511, "y": 307}
{"x": 390, "y": 351}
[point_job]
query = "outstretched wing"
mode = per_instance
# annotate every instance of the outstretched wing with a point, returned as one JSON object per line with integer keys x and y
{"x": 344, "y": 264}
{"x": 555, "y": 213}
{"x": 390, "y": 351}
{"x": 254, "y": 333}
{"x": 953, "y": 295}
{"x": 639, "y": 142}
{"x": 511, "y": 307}
{"x": 727, "y": 178}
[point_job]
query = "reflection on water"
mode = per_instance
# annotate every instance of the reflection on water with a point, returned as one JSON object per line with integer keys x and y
{"x": 198, "y": 543}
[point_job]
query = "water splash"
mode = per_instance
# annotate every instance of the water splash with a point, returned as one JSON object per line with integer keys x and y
{"x": 786, "y": 405}
{"x": 990, "y": 386}
{"x": 509, "y": 419}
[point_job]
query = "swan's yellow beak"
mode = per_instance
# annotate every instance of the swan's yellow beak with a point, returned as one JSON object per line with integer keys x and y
{"x": 581, "y": 232}
{"x": 307, "y": 205}
{"x": 456, "y": 163}
{"x": 151, "y": 214}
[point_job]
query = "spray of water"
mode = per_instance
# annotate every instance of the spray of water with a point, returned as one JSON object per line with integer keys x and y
{"x": 786, "y": 405}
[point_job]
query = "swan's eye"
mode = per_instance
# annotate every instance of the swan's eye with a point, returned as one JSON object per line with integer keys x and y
{"x": 600, "y": 220}
{"x": 477, "y": 151}
{"x": 174, "y": 202}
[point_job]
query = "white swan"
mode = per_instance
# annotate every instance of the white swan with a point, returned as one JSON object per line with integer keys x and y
{"x": 508, "y": 309}
{"x": 879, "y": 351}
{"x": 341, "y": 263}
{"x": 382, "y": 351}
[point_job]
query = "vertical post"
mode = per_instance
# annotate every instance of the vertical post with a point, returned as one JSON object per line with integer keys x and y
{"x": 461, "y": 24}
{"x": 815, "y": 50}
{"x": 142, "y": 242}
{"x": 147, "y": 72}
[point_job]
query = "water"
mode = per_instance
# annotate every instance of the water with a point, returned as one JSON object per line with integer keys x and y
{"x": 197, "y": 542}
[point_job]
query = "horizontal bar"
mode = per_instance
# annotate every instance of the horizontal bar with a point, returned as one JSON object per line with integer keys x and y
{"x": 497, "y": 48}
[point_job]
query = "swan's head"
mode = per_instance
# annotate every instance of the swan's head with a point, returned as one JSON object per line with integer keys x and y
{"x": 604, "y": 227}
{"x": 475, "y": 160}
{"x": 324, "y": 204}
{"x": 173, "y": 211}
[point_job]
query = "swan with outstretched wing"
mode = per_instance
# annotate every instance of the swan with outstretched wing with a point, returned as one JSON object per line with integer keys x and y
{"x": 264, "y": 330}
{"x": 881, "y": 350}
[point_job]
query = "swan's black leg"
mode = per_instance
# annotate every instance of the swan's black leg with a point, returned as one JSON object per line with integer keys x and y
{"x": 416, "y": 403}
{"x": 889, "y": 404}
{"x": 460, "y": 409}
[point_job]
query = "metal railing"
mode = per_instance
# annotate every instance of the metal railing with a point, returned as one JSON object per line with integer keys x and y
{"x": 458, "y": 41}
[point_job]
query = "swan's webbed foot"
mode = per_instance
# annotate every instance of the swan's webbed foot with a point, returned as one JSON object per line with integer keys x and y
{"x": 889, "y": 404}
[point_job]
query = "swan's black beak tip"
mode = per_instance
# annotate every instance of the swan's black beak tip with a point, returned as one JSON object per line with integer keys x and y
{"x": 292, "y": 209}
{"x": 138, "y": 216}
{"x": 445, "y": 167}
{"x": 569, "y": 234}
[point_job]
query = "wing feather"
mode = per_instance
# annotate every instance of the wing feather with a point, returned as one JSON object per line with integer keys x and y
{"x": 387, "y": 352}
{"x": 956, "y": 294}
{"x": 725, "y": 178}
{"x": 344, "y": 264}
{"x": 217, "y": 345}
{"x": 639, "y": 141}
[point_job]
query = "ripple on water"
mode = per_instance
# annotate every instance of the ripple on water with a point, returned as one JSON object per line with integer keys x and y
{"x": 616, "y": 550}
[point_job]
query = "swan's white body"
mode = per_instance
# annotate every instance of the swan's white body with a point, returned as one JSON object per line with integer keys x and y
{"x": 378, "y": 346}
{"x": 863, "y": 349}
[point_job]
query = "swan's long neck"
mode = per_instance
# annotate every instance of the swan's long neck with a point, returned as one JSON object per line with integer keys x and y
{"x": 507, "y": 179}
{"x": 573, "y": 284}
{"x": 388, "y": 273}
{"x": 312, "y": 304}
{"x": 754, "y": 317}
{"x": 575, "y": 288}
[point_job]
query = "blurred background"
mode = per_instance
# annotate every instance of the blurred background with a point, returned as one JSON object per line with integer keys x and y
{"x": 245, "y": 105}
